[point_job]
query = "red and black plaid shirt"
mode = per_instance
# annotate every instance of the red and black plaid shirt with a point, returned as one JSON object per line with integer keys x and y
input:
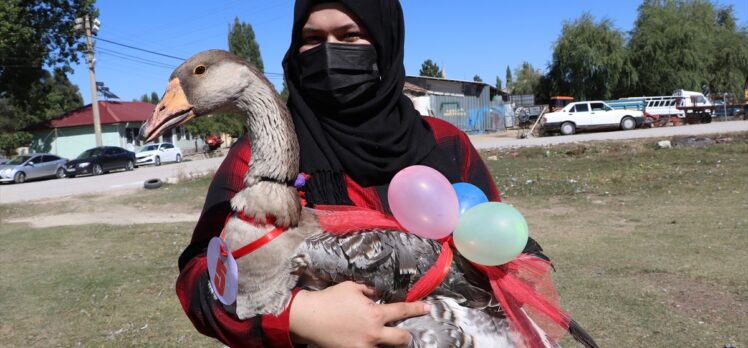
{"x": 208, "y": 315}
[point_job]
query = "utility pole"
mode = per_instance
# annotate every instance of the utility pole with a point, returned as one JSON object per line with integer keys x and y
{"x": 91, "y": 28}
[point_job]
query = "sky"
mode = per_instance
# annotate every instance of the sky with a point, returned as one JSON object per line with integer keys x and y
{"x": 465, "y": 38}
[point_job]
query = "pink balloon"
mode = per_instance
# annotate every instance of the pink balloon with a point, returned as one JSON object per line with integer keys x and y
{"x": 424, "y": 202}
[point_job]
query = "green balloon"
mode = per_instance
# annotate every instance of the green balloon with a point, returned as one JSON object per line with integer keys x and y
{"x": 491, "y": 234}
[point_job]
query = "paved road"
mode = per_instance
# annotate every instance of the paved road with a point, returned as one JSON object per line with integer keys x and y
{"x": 117, "y": 181}
{"x": 57, "y": 188}
{"x": 489, "y": 142}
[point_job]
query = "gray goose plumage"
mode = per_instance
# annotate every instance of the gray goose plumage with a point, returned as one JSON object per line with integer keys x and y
{"x": 464, "y": 311}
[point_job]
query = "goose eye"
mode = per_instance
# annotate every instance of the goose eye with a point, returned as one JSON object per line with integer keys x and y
{"x": 199, "y": 70}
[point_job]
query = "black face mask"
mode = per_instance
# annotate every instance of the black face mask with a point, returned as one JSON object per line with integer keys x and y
{"x": 337, "y": 74}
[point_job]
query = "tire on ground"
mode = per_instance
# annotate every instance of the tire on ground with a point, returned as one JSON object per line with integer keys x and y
{"x": 153, "y": 184}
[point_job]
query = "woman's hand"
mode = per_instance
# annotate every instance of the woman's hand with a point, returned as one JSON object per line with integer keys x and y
{"x": 343, "y": 316}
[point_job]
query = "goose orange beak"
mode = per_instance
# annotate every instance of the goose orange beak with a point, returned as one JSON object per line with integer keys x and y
{"x": 173, "y": 111}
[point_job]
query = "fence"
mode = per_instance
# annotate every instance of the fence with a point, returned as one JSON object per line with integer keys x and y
{"x": 474, "y": 115}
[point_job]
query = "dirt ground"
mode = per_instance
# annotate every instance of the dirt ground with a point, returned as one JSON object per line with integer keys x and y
{"x": 104, "y": 209}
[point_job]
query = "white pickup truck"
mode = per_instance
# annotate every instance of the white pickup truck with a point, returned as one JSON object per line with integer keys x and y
{"x": 587, "y": 115}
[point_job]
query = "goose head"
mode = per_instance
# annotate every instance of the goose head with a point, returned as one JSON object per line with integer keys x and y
{"x": 208, "y": 82}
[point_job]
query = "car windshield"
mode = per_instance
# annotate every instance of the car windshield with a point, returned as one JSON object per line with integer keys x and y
{"x": 96, "y": 151}
{"x": 18, "y": 160}
{"x": 152, "y": 147}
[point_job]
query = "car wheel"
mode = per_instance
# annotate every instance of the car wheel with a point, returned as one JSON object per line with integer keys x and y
{"x": 60, "y": 173}
{"x": 179, "y": 158}
{"x": 628, "y": 123}
{"x": 157, "y": 161}
{"x": 129, "y": 166}
{"x": 20, "y": 178}
{"x": 568, "y": 128}
{"x": 97, "y": 169}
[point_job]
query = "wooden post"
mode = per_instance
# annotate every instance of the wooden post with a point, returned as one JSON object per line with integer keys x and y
{"x": 542, "y": 112}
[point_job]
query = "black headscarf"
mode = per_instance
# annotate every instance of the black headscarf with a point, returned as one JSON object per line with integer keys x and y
{"x": 369, "y": 142}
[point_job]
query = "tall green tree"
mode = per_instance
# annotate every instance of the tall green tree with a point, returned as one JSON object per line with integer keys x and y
{"x": 508, "y": 78}
{"x": 154, "y": 98}
{"x": 498, "y": 83}
{"x": 243, "y": 44}
{"x": 50, "y": 96}
{"x": 430, "y": 69}
{"x": 705, "y": 48}
{"x": 477, "y": 78}
{"x": 730, "y": 59}
{"x": 527, "y": 79}
{"x": 589, "y": 60}
{"x": 37, "y": 46}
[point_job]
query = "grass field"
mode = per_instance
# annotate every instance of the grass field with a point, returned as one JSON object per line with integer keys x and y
{"x": 649, "y": 246}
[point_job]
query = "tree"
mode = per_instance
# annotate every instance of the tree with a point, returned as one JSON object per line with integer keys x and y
{"x": 477, "y": 78}
{"x": 730, "y": 59}
{"x": 498, "y": 83}
{"x": 241, "y": 40}
{"x": 705, "y": 48}
{"x": 589, "y": 61}
{"x": 243, "y": 44}
{"x": 50, "y": 96}
{"x": 151, "y": 99}
{"x": 508, "y": 78}
{"x": 527, "y": 79}
{"x": 36, "y": 37}
{"x": 284, "y": 93}
{"x": 430, "y": 69}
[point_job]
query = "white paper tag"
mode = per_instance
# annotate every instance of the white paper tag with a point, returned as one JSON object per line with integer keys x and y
{"x": 223, "y": 273}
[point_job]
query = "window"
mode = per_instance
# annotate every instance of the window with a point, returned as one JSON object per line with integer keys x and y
{"x": 49, "y": 158}
{"x": 582, "y": 107}
{"x": 36, "y": 159}
{"x": 597, "y": 106}
{"x": 168, "y": 146}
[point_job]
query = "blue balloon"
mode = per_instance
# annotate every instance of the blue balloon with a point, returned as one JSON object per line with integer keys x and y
{"x": 468, "y": 195}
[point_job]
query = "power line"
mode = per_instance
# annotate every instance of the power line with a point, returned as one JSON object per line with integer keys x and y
{"x": 139, "y": 49}
{"x": 164, "y": 55}
{"x": 135, "y": 58}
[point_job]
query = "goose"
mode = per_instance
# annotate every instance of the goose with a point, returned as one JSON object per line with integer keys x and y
{"x": 464, "y": 310}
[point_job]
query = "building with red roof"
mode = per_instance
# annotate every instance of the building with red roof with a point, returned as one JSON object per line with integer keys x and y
{"x": 73, "y": 132}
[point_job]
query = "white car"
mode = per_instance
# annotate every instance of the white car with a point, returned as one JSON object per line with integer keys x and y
{"x": 590, "y": 115}
{"x": 158, "y": 153}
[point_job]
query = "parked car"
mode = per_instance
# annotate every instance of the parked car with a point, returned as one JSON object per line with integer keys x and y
{"x": 590, "y": 115}
{"x": 213, "y": 142}
{"x": 100, "y": 160}
{"x": 157, "y": 153}
{"x": 33, "y": 166}
{"x": 720, "y": 110}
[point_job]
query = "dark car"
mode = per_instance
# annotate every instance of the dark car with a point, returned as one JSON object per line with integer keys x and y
{"x": 99, "y": 160}
{"x": 720, "y": 110}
